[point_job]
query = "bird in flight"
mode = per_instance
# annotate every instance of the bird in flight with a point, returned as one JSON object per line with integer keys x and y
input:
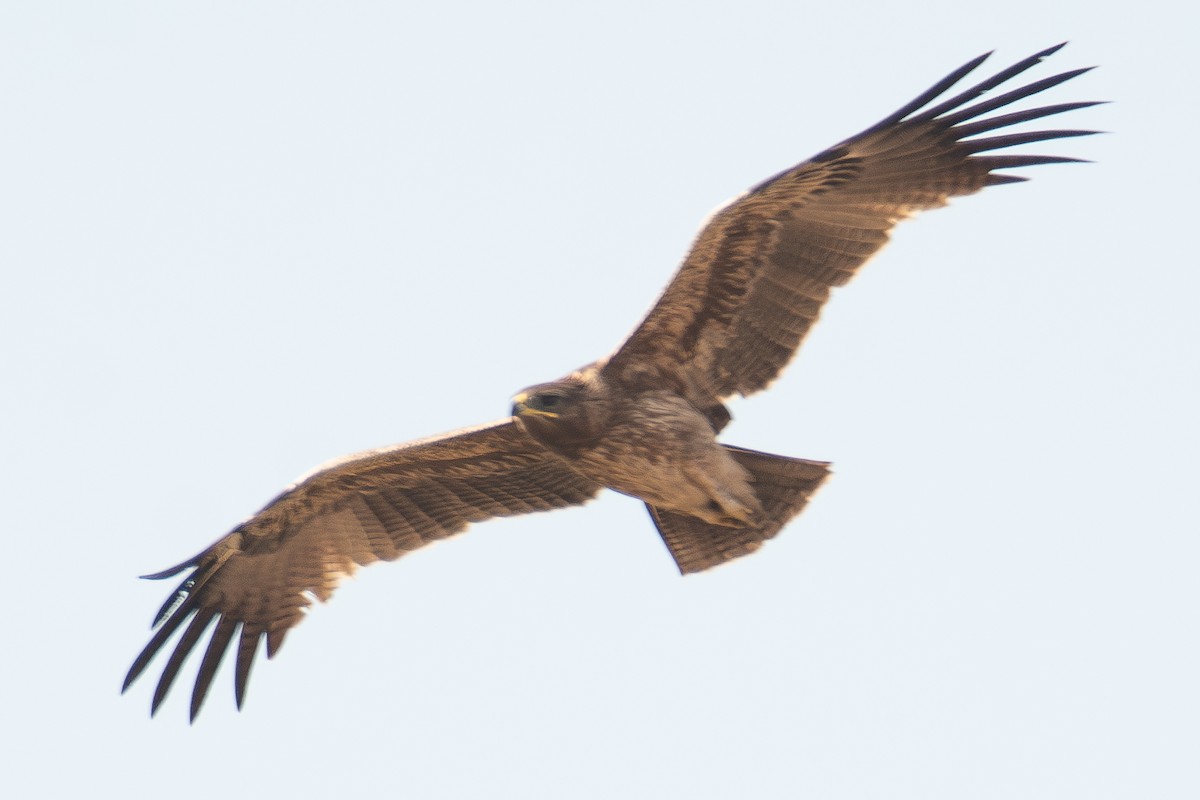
{"x": 643, "y": 421}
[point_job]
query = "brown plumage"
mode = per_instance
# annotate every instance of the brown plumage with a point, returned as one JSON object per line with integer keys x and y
{"x": 643, "y": 422}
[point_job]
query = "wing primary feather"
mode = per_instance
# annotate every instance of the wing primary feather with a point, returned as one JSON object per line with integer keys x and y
{"x": 997, "y": 179}
{"x": 275, "y": 640}
{"x": 217, "y": 646}
{"x": 1008, "y": 162}
{"x": 1014, "y": 139}
{"x": 1005, "y": 120}
{"x": 175, "y": 600}
{"x": 171, "y": 572}
{"x": 169, "y": 626}
{"x": 987, "y": 85}
{"x": 1029, "y": 90}
{"x": 199, "y": 623}
{"x": 247, "y": 647}
{"x": 204, "y": 568}
{"x": 929, "y": 94}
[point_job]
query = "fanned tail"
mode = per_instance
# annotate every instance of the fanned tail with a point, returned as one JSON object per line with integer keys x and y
{"x": 783, "y": 485}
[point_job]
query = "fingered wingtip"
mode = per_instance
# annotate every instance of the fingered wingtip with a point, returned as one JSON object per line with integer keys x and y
{"x": 170, "y": 572}
{"x": 1051, "y": 50}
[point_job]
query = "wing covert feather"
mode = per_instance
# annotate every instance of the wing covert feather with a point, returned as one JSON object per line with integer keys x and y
{"x": 369, "y": 507}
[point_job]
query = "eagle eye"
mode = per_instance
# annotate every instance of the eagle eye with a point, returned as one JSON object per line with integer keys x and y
{"x": 550, "y": 400}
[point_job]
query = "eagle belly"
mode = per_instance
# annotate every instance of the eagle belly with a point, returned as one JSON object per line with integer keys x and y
{"x": 660, "y": 449}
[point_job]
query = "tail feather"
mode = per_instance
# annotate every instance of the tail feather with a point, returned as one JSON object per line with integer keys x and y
{"x": 783, "y": 486}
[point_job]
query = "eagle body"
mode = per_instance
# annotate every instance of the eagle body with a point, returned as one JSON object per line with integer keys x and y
{"x": 645, "y": 421}
{"x": 652, "y": 444}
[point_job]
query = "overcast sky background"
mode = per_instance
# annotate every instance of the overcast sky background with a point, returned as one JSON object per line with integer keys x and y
{"x": 240, "y": 239}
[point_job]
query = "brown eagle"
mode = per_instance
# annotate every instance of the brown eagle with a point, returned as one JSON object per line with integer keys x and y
{"x": 644, "y": 421}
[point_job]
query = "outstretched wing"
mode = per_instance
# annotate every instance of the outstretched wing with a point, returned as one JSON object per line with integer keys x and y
{"x": 760, "y": 271}
{"x": 256, "y": 581}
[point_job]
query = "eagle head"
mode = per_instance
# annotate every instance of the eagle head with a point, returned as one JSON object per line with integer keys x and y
{"x": 565, "y": 414}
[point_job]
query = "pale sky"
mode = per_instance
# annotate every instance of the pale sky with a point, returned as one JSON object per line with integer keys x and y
{"x": 241, "y": 239}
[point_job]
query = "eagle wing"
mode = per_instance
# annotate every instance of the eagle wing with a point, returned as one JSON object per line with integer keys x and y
{"x": 762, "y": 268}
{"x": 257, "y": 581}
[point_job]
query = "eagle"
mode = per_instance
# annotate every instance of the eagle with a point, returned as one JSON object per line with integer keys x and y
{"x": 643, "y": 421}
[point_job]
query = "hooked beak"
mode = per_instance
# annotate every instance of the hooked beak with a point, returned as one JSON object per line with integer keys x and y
{"x": 518, "y": 404}
{"x": 520, "y": 408}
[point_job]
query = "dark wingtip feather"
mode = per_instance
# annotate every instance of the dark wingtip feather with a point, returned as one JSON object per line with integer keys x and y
{"x": 946, "y": 110}
{"x": 1011, "y": 162}
{"x": 156, "y": 642}
{"x": 929, "y": 94}
{"x": 1051, "y": 50}
{"x": 965, "y": 112}
{"x": 996, "y": 179}
{"x": 188, "y": 641}
{"x": 1004, "y": 120}
{"x": 171, "y": 572}
{"x": 174, "y": 601}
{"x": 1014, "y": 139}
{"x": 275, "y": 640}
{"x": 131, "y": 676}
{"x": 217, "y": 646}
{"x": 979, "y": 90}
{"x": 247, "y": 648}
{"x": 1008, "y": 162}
